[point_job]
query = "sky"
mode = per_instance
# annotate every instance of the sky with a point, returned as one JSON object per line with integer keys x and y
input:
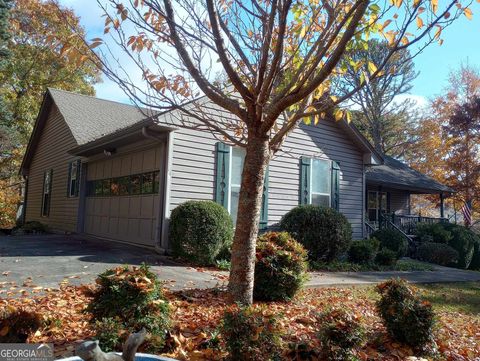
{"x": 461, "y": 44}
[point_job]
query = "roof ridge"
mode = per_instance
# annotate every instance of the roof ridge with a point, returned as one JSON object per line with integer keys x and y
{"x": 93, "y": 97}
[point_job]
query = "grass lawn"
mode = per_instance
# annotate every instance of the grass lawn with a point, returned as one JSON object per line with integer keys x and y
{"x": 405, "y": 264}
{"x": 197, "y": 313}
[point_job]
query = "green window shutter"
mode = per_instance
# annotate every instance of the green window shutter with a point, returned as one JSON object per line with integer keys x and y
{"x": 305, "y": 165}
{"x": 335, "y": 185}
{"x": 222, "y": 178}
{"x": 77, "y": 186}
{"x": 69, "y": 184}
{"x": 264, "y": 210}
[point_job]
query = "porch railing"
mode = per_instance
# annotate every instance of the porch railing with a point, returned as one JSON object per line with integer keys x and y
{"x": 405, "y": 224}
{"x": 409, "y": 223}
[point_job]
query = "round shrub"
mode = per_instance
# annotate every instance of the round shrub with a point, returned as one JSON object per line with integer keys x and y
{"x": 386, "y": 257}
{"x": 475, "y": 264}
{"x": 435, "y": 232}
{"x": 392, "y": 240}
{"x": 280, "y": 268}
{"x": 200, "y": 231}
{"x": 408, "y": 319}
{"x": 362, "y": 251}
{"x": 340, "y": 332}
{"x": 439, "y": 253}
{"x": 324, "y": 232}
{"x": 127, "y": 300}
{"x": 463, "y": 240}
{"x": 250, "y": 334}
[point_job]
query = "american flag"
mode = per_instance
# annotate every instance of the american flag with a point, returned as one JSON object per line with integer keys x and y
{"x": 467, "y": 214}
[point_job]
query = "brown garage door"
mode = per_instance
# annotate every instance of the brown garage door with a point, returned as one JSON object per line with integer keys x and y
{"x": 123, "y": 197}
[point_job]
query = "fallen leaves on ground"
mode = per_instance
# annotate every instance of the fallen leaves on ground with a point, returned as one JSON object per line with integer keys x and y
{"x": 196, "y": 315}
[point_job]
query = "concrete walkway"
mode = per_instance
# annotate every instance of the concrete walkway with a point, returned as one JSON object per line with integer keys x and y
{"x": 48, "y": 260}
{"x": 439, "y": 275}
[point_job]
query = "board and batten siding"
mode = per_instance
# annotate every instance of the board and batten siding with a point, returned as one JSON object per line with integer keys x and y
{"x": 51, "y": 153}
{"x": 192, "y": 173}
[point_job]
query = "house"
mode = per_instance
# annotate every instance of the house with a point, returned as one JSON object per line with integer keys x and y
{"x": 108, "y": 170}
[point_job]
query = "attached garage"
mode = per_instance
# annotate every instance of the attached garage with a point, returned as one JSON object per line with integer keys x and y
{"x": 123, "y": 197}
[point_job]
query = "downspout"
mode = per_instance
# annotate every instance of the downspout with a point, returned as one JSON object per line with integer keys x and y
{"x": 161, "y": 233}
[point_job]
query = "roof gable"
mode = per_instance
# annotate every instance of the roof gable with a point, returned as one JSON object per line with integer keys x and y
{"x": 91, "y": 118}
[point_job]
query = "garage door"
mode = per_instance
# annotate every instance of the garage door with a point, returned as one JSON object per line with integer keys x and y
{"x": 123, "y": 197}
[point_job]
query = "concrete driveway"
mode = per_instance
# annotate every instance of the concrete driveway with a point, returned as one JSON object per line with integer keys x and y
{"x": 50, "y": 259}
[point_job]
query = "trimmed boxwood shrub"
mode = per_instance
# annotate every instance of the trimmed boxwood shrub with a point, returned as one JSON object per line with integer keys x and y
{"x": 463, "y": 240}
{"x": 435, "y": 232}
{"x": 340, "y": 332}
{"x": 363, "y": 251}
{"x": 475, "y": 264}
{"x": 408, "y": 319}
{"x": 392, "y": 240}
{"x": 250, "y": 334}
{"x": 127, "y": 300}
{"x": 200, "y": 231}
{"x": 280, "y": 268}
{"x": 439, "y": 253}
{"x": 386, "y": 257}
{"x": 324, "y": 232}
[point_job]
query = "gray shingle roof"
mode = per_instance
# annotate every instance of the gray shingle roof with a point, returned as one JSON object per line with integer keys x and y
{"x": 90, "y": 118}
{"x": 397, "y": 174}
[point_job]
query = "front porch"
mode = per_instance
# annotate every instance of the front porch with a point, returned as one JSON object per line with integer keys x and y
{"x": 388, "y": 197}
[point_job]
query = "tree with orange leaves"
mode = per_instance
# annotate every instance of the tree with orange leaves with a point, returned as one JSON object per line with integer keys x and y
{"x": 448, "y": 138}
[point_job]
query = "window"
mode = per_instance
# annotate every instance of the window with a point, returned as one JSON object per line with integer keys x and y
{"x": 136, "y": 184}
{"x": 238, "y": 158}
{"x": 228, "y": 176}
{"x": 47, "y": 193}
{"x": 377, "y": 204}
{"x": 321, "y": 183}
{"x": 73, "y": 178}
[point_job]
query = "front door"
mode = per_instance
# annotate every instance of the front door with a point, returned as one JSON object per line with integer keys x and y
{"x": 377, "y": 205}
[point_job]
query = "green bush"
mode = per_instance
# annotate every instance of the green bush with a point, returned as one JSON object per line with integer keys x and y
{"x": 438, "y": 253}
{"x": 408, "y": 319}
{"x": 386, "y": 257}
{"x": 280, "y": 268}
{"x": 129, "y": 299}
{"x": 17, "y": 324}
{"x": 340, "y": 332}
{"x": 200, "y": 231}
{"x": 324, "y": 232}
{"x": 33, "y": 227}
{"x": 250, "y": 334}
{"x": 363, "y": 251}
{"x": 110, "y": 333}
{"x": 463, "y": 240}
{"x": 434, "y": 232}
{"x": 475, "y": 264}
{"x": 392, "y": 240}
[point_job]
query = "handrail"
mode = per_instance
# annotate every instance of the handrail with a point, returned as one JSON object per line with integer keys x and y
{"x": 390, "y": 224}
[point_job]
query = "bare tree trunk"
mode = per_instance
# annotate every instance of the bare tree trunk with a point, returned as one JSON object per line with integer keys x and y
{"x": 246, "y": 231}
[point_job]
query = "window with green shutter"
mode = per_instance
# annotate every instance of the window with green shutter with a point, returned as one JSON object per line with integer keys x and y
{"x": 319, "y": 182}
{"x": 230, "y": 162}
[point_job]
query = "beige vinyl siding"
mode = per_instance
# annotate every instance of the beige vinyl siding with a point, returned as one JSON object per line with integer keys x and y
{"x": 194, "y": 159}
{"x": 51, "y": 153}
